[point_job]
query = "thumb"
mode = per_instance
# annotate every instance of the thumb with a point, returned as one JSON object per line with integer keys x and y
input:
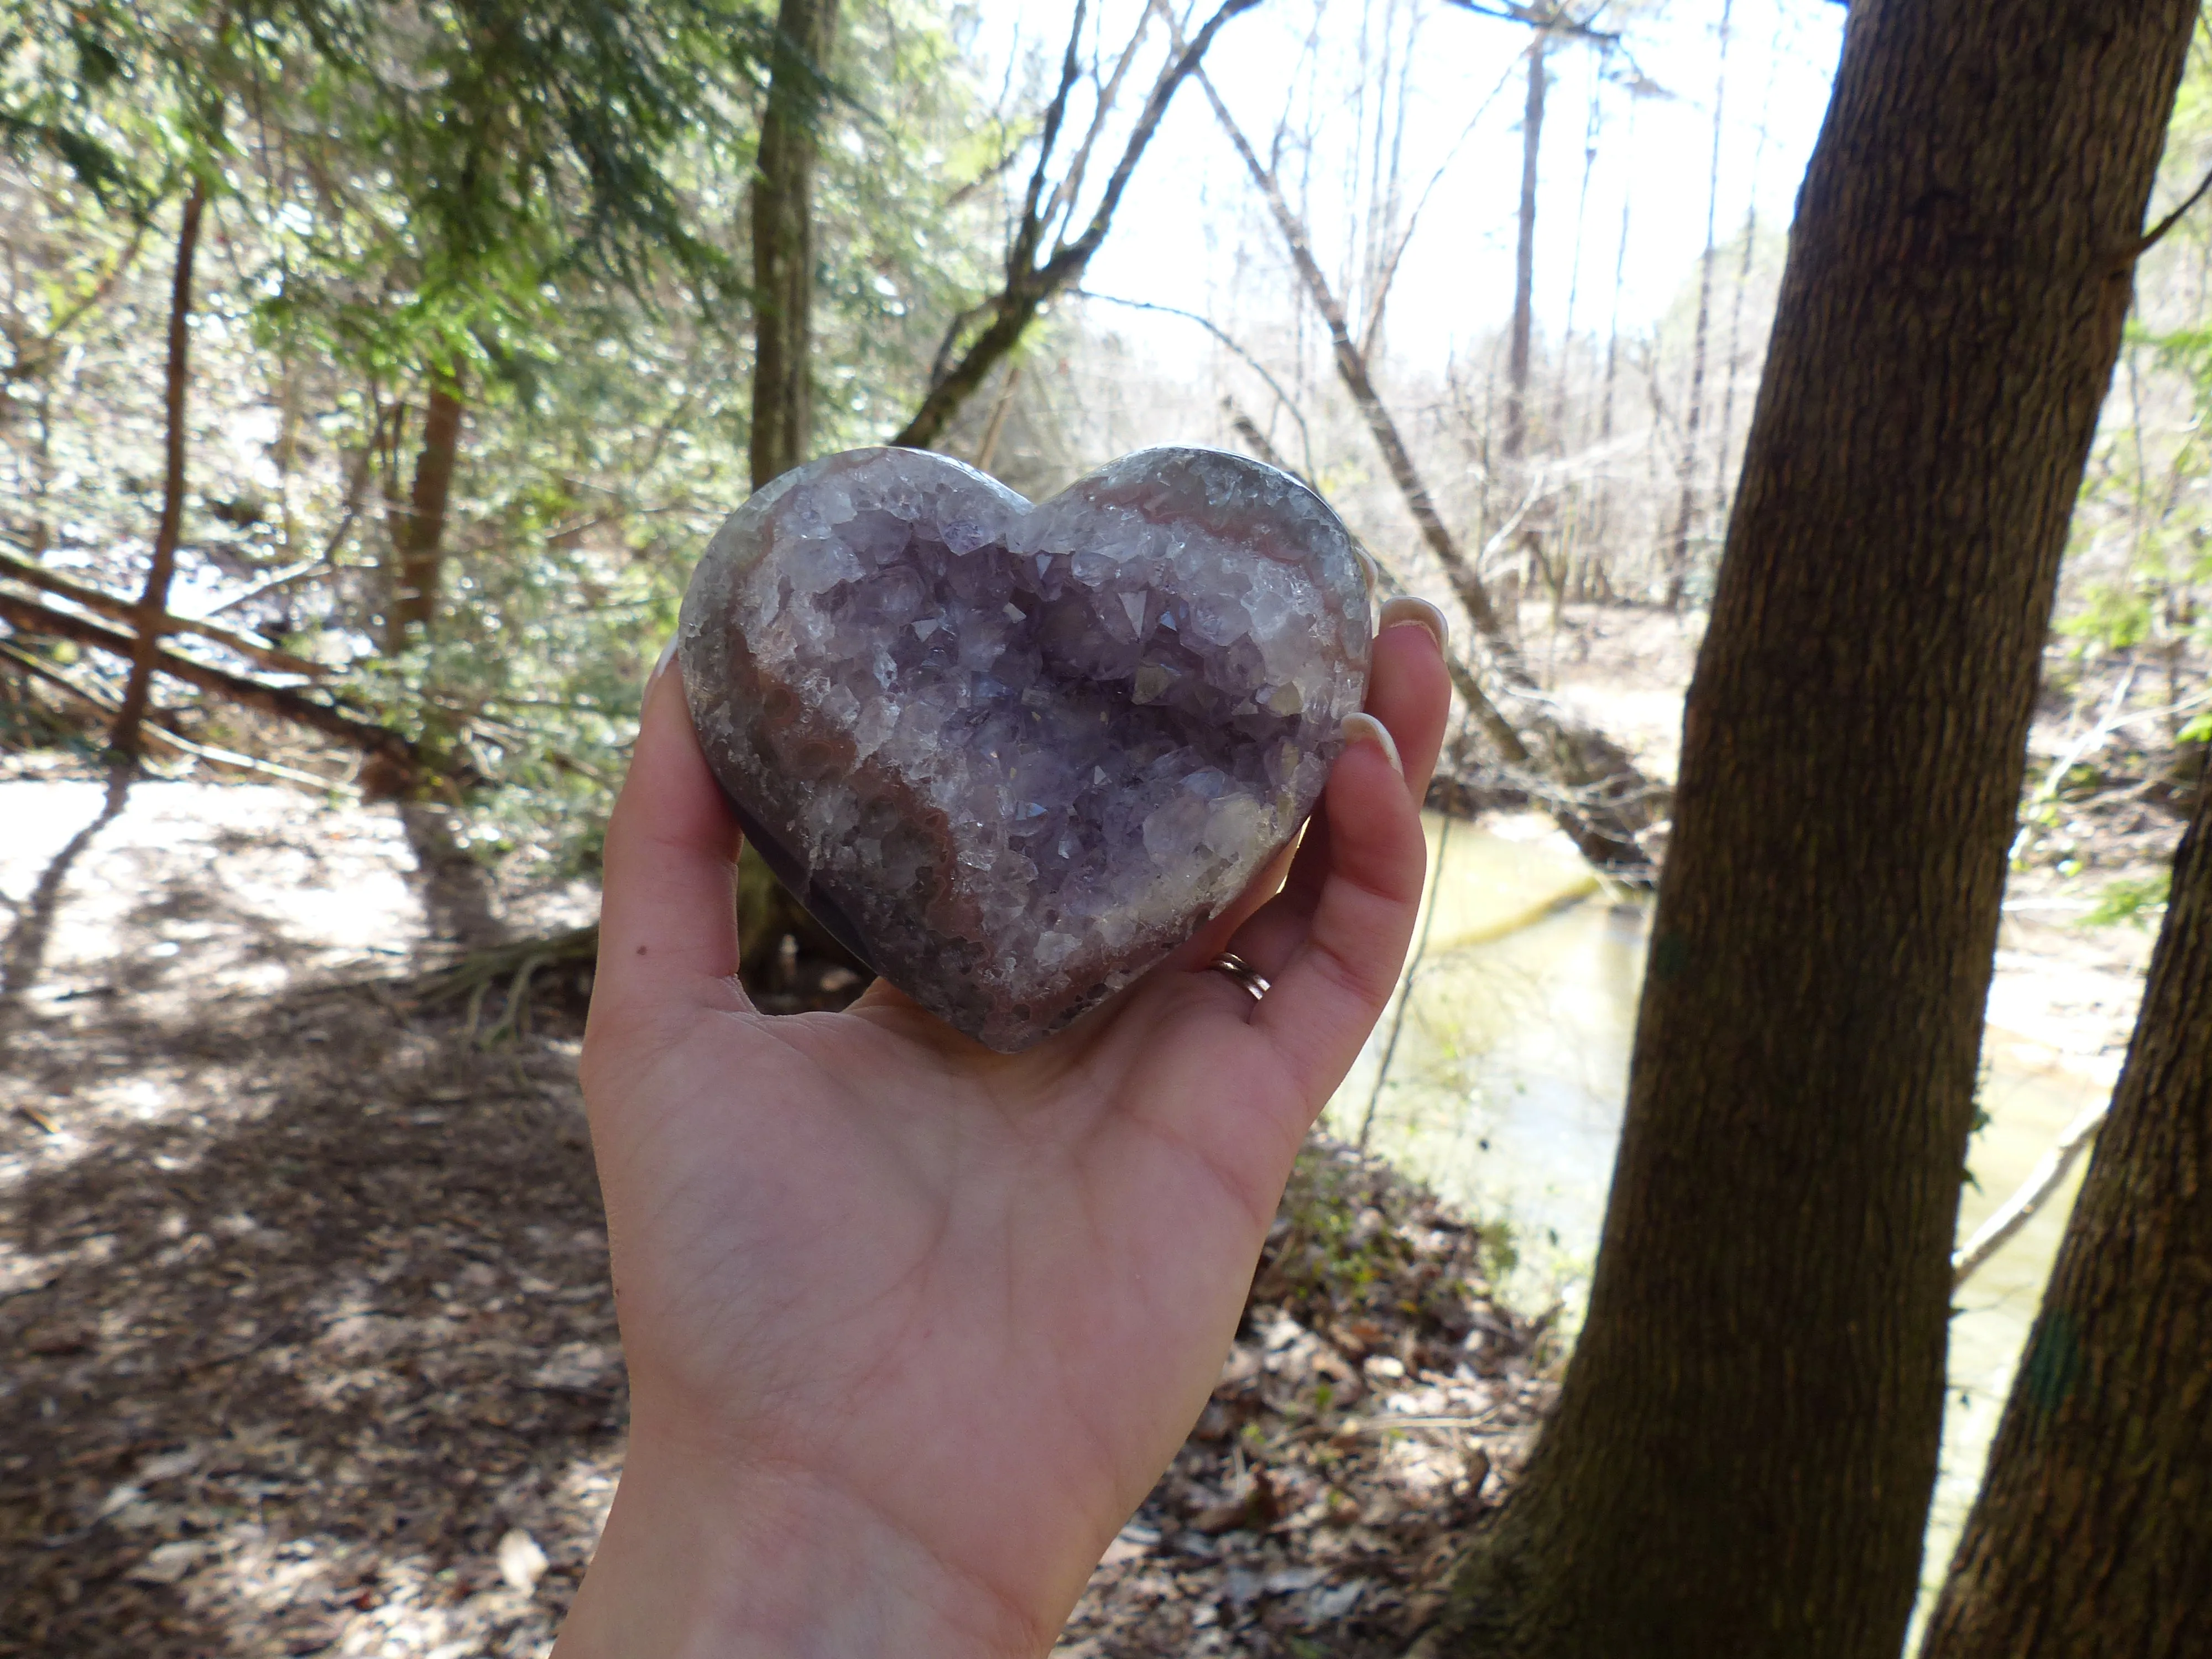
{"x": 668, "y": 933}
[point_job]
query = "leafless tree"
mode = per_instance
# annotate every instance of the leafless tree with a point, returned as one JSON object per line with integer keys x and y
{"x": 1043, "y": 258}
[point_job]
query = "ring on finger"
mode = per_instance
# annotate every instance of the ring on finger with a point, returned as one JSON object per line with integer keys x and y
{"x": 1243, "y": 972}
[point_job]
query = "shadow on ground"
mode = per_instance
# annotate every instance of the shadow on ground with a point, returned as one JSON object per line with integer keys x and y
{"x": 311, "y": 1345}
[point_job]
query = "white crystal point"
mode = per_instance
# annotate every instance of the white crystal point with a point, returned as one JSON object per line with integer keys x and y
{"x": 1014, "y": 755}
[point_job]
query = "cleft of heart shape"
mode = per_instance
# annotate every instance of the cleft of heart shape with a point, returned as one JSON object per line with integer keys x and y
{"x": 1012, "y": 755}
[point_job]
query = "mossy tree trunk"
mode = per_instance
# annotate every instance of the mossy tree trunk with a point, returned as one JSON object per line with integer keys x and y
{"x": 2093, "y": 1535}
{"x": 1746, "y": 1441}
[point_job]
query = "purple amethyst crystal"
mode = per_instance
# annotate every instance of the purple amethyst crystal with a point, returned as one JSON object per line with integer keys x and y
{"x": 1013, "y": 755}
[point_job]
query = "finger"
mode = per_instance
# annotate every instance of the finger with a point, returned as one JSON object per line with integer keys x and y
{"x": 1326, "y": 996}
{"x": 1409, "y": 687}
{"x": 1408, "y": 690}
{"x": 668, "y": 935}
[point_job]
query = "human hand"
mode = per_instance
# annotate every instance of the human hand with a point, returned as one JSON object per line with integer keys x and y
{"x": 913, "y": 1326}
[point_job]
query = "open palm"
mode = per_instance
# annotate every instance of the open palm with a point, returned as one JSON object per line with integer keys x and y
{"x": 912, "y": 1326}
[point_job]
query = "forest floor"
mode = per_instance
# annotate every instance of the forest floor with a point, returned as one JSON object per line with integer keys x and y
{"x": 311, "y": 1348}
{"x": 304, "y": 1290}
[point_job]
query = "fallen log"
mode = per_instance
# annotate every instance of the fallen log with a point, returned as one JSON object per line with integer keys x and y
{"x": 106, "y": 605}
{"x": 377, "y": 741}
{"x": 224, "y": 760}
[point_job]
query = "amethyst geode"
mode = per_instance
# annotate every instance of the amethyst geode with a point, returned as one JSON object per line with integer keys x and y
{"x": 1013, "y": 755}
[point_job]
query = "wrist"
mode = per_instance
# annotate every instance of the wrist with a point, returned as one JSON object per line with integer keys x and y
{"x": 700, "y": 1560}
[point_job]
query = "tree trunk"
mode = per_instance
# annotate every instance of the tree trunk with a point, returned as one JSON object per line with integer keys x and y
{"x": 1574, "y": 268}
{"x": 1745, "y": 1440}
{"x": 1524, "y": 259}
{"x": 2089, "y": 1537}
{"x": 252, "y": 647}
{"x": 1721, "y": 491}
{"x": 153, "y": 600}
{"x": 1620, "y": 277}
{"x": 1678, "y": 554}
{"x": 285, "y": 703}
{"x": 419, "y": 537}
{"x": 783, "y": 240}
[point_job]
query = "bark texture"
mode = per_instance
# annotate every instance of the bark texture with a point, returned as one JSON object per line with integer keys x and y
{"x": 153, "y": 601}
{"x": 783, "y": 240}
{"x": 2090, "y": 1537}
{"x": 1746, "y": 1438}
{"x": 783, "y": 378}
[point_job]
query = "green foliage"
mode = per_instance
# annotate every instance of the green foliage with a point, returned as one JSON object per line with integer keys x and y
{"x": 1980, "y": 1121}
{"x": 1354, "y": 1242}
{"x": 59, "y": 67}
{"x": 545, "y": 202}
{"x": 618, "y": 443}
{"x": 2113, "y": 616}
{"x": 2131, "y": 899}
{"x": 445, "y": 174}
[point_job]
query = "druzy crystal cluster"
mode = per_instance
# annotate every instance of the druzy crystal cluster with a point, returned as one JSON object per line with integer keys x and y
{"x": 1013, "y": 755}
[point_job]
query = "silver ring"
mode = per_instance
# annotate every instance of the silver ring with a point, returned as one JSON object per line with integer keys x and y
{"x": 1243, "y": 972}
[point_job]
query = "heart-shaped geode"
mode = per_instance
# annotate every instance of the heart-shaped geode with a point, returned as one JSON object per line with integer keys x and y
{"x": 1011, "y": 754}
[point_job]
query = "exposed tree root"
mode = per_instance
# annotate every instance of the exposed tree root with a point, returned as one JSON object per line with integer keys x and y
{"x": 509, "y": 968}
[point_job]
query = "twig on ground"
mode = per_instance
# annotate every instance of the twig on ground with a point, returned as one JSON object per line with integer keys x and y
{"x": 2017, "y": 1212}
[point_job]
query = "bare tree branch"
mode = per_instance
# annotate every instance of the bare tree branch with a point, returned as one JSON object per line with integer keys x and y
{"x": 1603, "y": 833}
{"x": 1553, "y": 20}
{"x": 1251, "y": 362}
{"x": 1352, "y": 367}
{"x": 1071, "y": 185}
{"x": 2157, "y": 233}
{"x": 1029, "y": 232}
{"x": 1028, "y": 284}
{"x": 226, "y": 760}
{"x": 2017, "y": 1212}
{"x": 1389, "y": 273}
{"x": 1256, "y": 440}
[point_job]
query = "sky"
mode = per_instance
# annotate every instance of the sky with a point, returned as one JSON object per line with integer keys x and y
{"x": 1176, "y": 238}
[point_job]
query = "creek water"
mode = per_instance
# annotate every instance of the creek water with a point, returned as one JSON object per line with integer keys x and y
{"x": 1507, "y": 1067}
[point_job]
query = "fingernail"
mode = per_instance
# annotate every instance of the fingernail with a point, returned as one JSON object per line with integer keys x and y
{"x": 659, "y": 666}
{"x": 1366, "y": 728}
{"x": 1370, "y": 568}
{"x": 1406, "y": 609}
